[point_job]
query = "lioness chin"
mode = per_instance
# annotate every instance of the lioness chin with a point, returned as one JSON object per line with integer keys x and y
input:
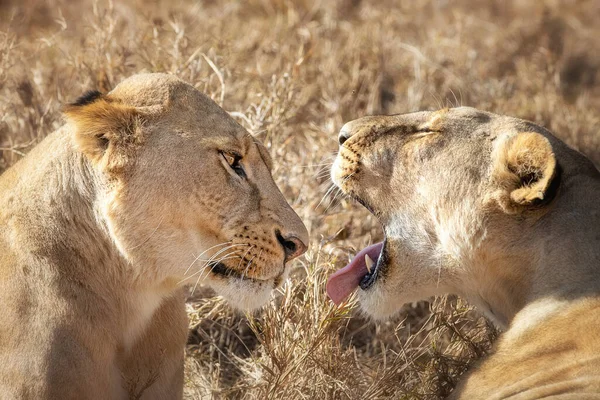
{"x": 144, "y": 190}
{"x": 494, "y": 209}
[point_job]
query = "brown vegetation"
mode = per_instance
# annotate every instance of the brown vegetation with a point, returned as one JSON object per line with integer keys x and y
{"x": 292, "y": 72}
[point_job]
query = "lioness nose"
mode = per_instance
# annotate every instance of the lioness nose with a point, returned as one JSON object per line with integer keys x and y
{"x": 292, "y": 246}
{"x": 344, "y": 134}
{"x": 349, "y": 129}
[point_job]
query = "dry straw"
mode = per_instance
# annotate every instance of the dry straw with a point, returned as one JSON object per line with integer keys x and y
{"x": 292, "y": 72}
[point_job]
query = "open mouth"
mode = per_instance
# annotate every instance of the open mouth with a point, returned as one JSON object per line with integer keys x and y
{"x": 365, "y": 268}
{"x": 362, "y": 271}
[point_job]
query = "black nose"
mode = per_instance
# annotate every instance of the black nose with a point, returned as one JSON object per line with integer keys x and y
{"x": 292, "y": 246}
{"x": 343, "y": 136}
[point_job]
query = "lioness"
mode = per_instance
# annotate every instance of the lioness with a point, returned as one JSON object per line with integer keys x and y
{"x": 497, "y": 210}
{"x": 143, "y": 190}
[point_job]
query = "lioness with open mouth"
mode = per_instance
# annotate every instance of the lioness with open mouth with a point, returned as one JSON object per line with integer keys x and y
{"x": 497, "y": 210}
{"x": 144, "y": 189}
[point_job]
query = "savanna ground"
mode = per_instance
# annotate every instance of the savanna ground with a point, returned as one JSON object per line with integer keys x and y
{"x": 292, "y": 72}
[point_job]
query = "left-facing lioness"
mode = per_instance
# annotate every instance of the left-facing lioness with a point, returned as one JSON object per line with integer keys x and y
{"x": 492, "y": 208}
{"x": 144, "y": 189}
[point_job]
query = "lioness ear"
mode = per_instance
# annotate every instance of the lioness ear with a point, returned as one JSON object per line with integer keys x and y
{"x": 102, "y": 125}
{"x": 523, "y": 171}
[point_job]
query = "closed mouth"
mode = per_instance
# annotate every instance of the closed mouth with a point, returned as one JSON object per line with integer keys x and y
{"x": 220, "y": 269}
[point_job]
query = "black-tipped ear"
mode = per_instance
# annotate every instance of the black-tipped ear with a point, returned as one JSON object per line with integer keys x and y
{"x": 102, "y": 124}
{"x": 87, "y": 98}
{"x": 524, "y": 170}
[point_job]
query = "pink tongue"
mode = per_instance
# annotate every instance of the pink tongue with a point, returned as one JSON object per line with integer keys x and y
{"x": 344, "y": 281}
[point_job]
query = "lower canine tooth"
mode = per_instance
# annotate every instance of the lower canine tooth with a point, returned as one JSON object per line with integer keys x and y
{"x": 369, "y": 262}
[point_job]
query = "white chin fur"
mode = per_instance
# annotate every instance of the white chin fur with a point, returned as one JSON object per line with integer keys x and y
{"x": 377, "y": 302}
{"x": 335, "y": 170}
{"x": 243, "y": 294}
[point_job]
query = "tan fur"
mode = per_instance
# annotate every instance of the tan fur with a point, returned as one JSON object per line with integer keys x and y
{"x": 109, "y": 120}
{"x": 523, "y": 156}
{"x": 498, "y": 210}
{"x": 104, "y": 223}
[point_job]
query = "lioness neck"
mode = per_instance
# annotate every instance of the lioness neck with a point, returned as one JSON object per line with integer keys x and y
{"x": 559, "y": 262}
{"x": 569, "y": 242}
{"x": 65, "y": 195}
{"x": 71, "y": 249}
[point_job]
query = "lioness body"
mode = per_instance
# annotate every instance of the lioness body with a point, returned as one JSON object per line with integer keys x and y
{"x": 556, "y": 357}
{"x": 497, "y": 210}
{"x": 101, "y": 224}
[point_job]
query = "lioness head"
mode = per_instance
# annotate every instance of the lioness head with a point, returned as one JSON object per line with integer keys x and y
{"x": 186, "y": 192}
{"x": 460, "y": 194}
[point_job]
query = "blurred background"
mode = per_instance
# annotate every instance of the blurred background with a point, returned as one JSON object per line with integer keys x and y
{"x": 292, "y": 72}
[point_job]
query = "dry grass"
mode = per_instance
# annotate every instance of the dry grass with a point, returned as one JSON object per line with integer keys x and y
{"x": 292, "y": 72}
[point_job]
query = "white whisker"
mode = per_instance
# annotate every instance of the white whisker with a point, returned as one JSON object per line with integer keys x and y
{"x": 150, "y": 235}
{"x": 244, "y": 256}
{"x": 331, "y": 188}
{"x": 339, "y": 193}
{"x": 211, "y": 261}
{"x": 228, "y": 256}
{"x": 200, "y": 255}
{"x": 250, "y": 263}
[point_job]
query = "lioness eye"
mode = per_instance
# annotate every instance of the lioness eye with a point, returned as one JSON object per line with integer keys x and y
{"x": 234, "y": 162}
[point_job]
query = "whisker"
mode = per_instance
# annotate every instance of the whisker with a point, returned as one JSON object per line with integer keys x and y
{"x": 249, "y": 264}
{"x": 331, "y": 188}
{"x": 437, "y": 99}
{"x": 322, "y": 174}
{"x": 341, "y": 193}
{"x": 150, "y": 235}
{"x": 218, "y": 253}
{"x": 316, "y": 165}
{"x": 196, "y": 285}
{"x": 333, "y": 200}
{"x": 209, "y": 261}
{"x": 228, "y": 256}
{"x": 201, "y": 271}
{"x": 200, "y": 255}
{"x": 244, "y": 256}
{"x": 212, "y": 260}
{"x": 455, "y": 98}
{"x": 214, "y": 255}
